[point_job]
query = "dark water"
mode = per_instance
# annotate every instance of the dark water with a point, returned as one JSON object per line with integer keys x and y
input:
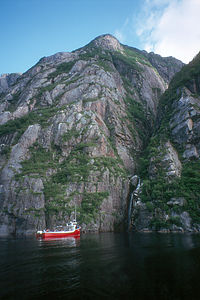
{"x": 102, "y": 266}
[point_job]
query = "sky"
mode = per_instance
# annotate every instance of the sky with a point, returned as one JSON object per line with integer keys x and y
{"x": 31, "y": 29}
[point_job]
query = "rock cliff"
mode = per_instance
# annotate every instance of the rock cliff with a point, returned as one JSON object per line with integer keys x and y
{"x": 170, "y": 167}
{"x": 72, "y": 130}
{"x": 7, "y": 80}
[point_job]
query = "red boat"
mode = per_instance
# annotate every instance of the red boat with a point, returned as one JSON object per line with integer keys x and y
{"x": 71, "y": 230}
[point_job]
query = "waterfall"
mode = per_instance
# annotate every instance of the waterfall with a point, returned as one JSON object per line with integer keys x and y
{"x": 134, "y": 194}
{"x": 137, "y": 188}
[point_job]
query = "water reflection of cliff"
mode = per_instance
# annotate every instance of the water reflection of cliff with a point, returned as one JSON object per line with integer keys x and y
{"x": 102, "y": 266}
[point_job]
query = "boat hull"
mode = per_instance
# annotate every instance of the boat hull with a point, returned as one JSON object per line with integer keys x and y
{"x": 58, "y": 234}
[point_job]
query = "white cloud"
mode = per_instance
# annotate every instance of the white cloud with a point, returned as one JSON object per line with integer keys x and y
{"x": 171, "y": 28}
{"x": 121, "y": 33}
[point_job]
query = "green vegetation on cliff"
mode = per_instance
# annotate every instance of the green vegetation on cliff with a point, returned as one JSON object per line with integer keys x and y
{"x": 62, "y": 68}
{"x": 160, "y": 190}
{"x": 90, "y": 206}
{"x": 187, "y": 74}
{"x": 40, "y": 116}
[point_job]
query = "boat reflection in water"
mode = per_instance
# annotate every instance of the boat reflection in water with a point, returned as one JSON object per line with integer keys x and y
{"x": 65, "y": 241}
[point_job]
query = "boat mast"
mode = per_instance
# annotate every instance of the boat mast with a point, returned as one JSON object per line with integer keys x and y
{"x": 75, "y": 212}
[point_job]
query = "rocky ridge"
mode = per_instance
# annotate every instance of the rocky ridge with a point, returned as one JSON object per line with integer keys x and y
{"x": 7, "y": 80}
{"x": 72, "y": 130}
{"x": 169, "y": 199}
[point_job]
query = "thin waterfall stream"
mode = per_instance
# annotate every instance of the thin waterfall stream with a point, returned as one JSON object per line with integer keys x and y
{"x": 134, "y": 195}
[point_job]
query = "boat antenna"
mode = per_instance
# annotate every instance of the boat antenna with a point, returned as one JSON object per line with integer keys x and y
{"x": 75, "y": 212}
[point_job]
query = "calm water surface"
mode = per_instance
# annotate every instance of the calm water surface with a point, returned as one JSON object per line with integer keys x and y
{"x": 101, "y": 266}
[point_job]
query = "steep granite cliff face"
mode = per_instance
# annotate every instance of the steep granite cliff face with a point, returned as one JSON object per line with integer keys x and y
{"x": 72, "y": 130}
{"x": 7, "y": 80}
{"x": 170, "y": 167}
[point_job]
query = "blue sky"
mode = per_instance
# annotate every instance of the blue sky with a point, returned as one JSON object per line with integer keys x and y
{"x": 31, "y": 29}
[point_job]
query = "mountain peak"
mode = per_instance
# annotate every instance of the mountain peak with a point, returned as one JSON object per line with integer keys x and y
{"x": 108, "y": 42}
